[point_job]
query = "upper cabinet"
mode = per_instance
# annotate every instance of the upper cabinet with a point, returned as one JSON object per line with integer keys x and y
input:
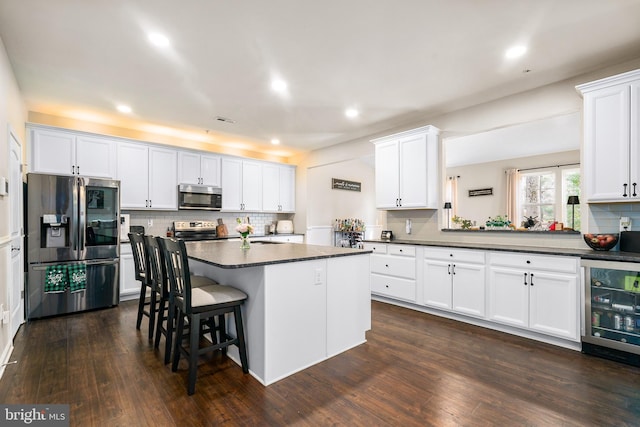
{"x": 60, "y": 152}
{"x": 195, "y": 168}
{"x": 278, "y": 188}
{"x": 612, "y": 138}
{"x": 148, "y": 177}
{"x": 407, "y": 169}
{"x": 241, "y": 185}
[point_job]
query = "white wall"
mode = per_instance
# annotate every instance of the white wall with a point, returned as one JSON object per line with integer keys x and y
{"x": 14, "y": 114}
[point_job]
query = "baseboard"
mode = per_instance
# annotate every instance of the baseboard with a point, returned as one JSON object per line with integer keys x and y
{"x": 6, "y": 354}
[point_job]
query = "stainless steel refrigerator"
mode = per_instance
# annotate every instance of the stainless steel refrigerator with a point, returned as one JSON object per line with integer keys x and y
{"x": 72, "y": 244}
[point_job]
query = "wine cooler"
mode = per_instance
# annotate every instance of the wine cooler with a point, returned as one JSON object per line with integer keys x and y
{"x": 612, "y": 310}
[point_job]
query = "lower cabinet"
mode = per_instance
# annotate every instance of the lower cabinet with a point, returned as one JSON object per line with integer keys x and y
{"x": 539, "y": 293}
{"x": 129, "y": 286}
{"x": 454, "y": 279}
{"x": 393, "y": 271}
{"x": 531, "y": 294}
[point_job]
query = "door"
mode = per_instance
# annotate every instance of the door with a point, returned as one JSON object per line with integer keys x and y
{"x": 387, "y": 184}
{"x": 16, "y": 291}
{"x": 509, "y": 296}
{"x": 437, "y": 284}
{"x": 99, "y": 201}
{"x": 210, "y": 170}
{"x": 231, "y": 184}
{"x": 133, "y": 173}
{"x": 95, "y": 157}
{"x": 469, "y": 289}
{"x": 554, "y": 302}
{"x": 270, "y": 188}
{"x": 163, "y": 179}
{"x": 607, "y": 116}
{"x": 251, "y": 186}
{"x": 287, "y": 189}
{"x": 53, "y": 151}
{"x": 413, "y": 172}
{"x": 188, "y": 168}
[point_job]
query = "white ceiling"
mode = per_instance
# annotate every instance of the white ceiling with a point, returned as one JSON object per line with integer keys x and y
{"x": 396, "y": 60}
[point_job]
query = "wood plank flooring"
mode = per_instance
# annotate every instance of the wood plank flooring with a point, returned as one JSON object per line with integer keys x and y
{"x": 415, "y": 370}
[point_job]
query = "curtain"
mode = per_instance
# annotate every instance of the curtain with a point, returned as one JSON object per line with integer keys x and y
{"x": 513, "y": 177}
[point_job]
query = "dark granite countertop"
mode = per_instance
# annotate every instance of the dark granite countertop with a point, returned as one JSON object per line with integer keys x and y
{"x": 226, "y": 254}
{"x": 582, "y": 253}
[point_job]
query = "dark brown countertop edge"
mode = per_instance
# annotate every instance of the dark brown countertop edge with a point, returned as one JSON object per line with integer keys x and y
{"x": 581, "y": 253}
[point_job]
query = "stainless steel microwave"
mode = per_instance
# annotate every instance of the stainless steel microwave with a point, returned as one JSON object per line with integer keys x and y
{"x": 202, "y": 197}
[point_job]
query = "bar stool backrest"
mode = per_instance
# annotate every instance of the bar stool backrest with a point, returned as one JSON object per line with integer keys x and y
{"x": 157, "y": 266}
{"x": 139, "y": 256}
{"x": 175, "y": 254}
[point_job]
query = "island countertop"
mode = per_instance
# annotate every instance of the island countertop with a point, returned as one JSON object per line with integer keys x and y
{"x": 227, "y": 254}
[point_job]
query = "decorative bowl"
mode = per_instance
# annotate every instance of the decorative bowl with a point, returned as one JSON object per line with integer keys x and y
{"x": 601, "y": 242}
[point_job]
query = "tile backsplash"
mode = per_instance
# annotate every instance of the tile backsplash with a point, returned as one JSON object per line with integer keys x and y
{"x": 605, "y": 217}
{"x": 162, "y": 220}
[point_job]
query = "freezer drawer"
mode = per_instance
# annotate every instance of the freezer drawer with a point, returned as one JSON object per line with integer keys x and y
{"x": 102, "y": 290}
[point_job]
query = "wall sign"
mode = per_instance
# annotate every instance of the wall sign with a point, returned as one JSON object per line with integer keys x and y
{"x": 343, "y": 184}
{"x": 481, "y": 192}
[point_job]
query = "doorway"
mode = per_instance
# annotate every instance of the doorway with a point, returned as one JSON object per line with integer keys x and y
{"x": 16, "y": 275}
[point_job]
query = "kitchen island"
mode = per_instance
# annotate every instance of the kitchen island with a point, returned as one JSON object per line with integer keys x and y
{"x": 306, "y": 303}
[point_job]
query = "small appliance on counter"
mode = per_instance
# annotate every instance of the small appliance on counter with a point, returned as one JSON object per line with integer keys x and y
{"x": 386, "y": 235}
{"x": 284, "y": 227}
{"x": 630, "y": 241}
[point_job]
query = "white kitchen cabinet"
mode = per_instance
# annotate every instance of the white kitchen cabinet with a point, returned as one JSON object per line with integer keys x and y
{"x": 612, "y": 138}
{"x": 198, "y": 169}
{"x": 129, "y": 286}
{"x": 406, "y": 168}
{"x": 455, "y": 280}
{"x": 241, "y": 185}
{"x": 148, "y": 177}
{"x": 61, "y": 152}
{"x": 287, "y": 239}
{"x": 536, "y": 292}
{"x": 393, "y": 271}
{"x": 278, "y": 188}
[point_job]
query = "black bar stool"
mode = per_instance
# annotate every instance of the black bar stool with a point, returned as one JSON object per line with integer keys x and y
{"x": 141, "y": 265}
{"x": 200, "y": 306}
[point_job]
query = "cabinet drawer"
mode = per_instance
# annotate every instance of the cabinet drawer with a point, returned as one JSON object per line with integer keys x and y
{"x": 459, "y": 255}
{"x": 393, "y": 287}
{"x": 377, "y": 248}
{"x": 402, "y": 250}
{"x": 394, "y": 266}
{"x": 539, "y": 262}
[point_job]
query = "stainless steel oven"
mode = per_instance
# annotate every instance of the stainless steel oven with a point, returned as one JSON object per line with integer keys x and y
{"x": 201, "y": 197}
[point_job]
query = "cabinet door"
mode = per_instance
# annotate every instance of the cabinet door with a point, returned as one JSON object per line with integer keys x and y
{"x": 606, "y": 145}
{"x": 387, "y": 178}
{"x": 210, "y": 170}
{"x": 133, "y": 173}
{"x": 231, "y": 184}
{"x": 437, "y": 284}
{"x": 95, "y": 157}
{"x": 270, "y": 188}
{"x": 508, "y": 296}
{"x": 413, "y": 172}
{"x": 188, "y": 168}
{"x": 469, "y": 289}
{"x": 635, "y": 134}
{"x": 251, "y": 186}
{"x": 287, "y": 189}
{"x": 129, "y": 286}
{"x": 53, "y": 152}
{"x": 163, "y": 179}
{"x": 553, "y": 304}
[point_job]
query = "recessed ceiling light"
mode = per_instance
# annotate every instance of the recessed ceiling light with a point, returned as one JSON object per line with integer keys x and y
{"x": 279, "y": 85}
{"x": 275, "y": 141}
{"x": 515, "y": 52}
{"x": 351, "y": 113}
{"x": 158, "y": 39}
{"x": 124, "y": 109}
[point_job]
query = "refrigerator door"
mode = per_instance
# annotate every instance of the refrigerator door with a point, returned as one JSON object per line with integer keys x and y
{"x": 102, "y": 290}
{"x": 99, "y": 218}
{"x": 52, "y": 218}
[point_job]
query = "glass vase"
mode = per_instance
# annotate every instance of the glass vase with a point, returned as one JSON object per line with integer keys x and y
{"x": 245, "y": 243}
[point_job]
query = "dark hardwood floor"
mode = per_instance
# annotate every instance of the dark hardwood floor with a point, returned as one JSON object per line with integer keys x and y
{"x": 415, "y": 370}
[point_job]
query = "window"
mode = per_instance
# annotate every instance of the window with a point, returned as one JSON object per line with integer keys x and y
{"x": 543, "y": 195}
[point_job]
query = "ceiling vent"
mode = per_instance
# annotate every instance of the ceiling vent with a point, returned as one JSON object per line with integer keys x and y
{"x": 224, "y": 119}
